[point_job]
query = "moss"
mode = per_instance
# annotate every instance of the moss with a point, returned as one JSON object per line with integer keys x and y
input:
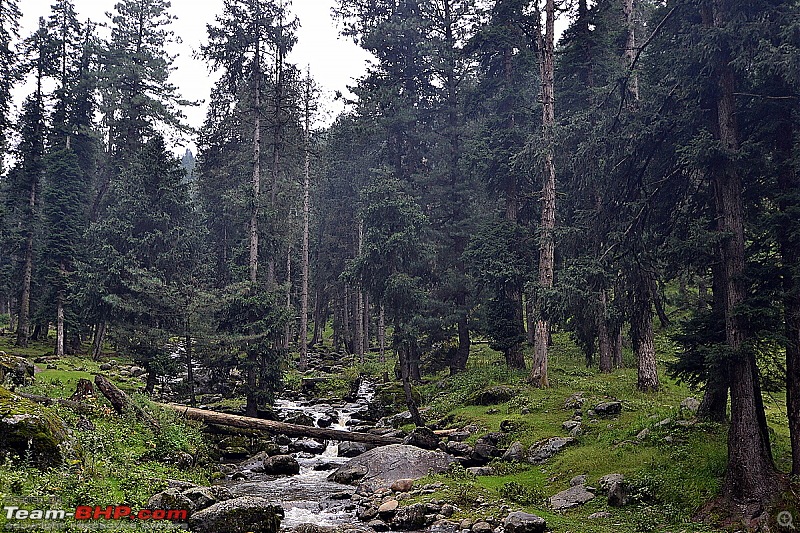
{"x": 30, "y": 430}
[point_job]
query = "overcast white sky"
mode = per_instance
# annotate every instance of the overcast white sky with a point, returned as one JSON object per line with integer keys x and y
{"x": 335, "y": 61}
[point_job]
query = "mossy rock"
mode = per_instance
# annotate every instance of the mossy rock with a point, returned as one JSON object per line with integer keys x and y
{"x": 494, "y": 395}
{"x": 393, "y": 397}
{"x": 17, "y": 369}
{"x": 238, "y": 515}
{"x": 30, "y": 430}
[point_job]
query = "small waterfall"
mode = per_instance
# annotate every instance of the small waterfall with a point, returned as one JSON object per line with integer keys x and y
{"x": 306, "y": 497}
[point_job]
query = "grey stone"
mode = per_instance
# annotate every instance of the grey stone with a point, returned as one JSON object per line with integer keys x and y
{"x": 203, "y": 497}
{"x": 170, "y": 499}
{"x": 545, "y": 449}
{"x": 575, "y": 401}
{"x": 411, "y": 517}
{"x": 481, "y": 470}
{"x": 690, "y": 404}
{"x": 382, "y": 466}
{"x": 378, "y": 525}
{"x": 519, "y": 522}
{"x": 461, "y": 449}
{"x": 608, "y": 480}
{"x": 281, "y": 465}
{"x": 515, "y": 453}
{"x": 572, "y": 497}
{"x": 238, "y": 515}
{"x": 578, "y": 480}
{"x": 482, "y": 527}
{"x": 608, "y": 409}
{"x": 308, "y": 446}
{"x": 444, "y": 526}
{"x": 351, "y": 449}
{"x": 569, "y": 425}
{"x": 422, "y": 437}
{"x": 643, "y": 434}
{"x": 601, "y": 514}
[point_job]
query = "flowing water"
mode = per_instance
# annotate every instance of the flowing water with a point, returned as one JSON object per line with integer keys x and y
{"x": 307, "y": 496}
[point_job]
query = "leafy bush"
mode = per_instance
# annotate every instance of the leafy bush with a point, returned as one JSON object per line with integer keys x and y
{"x": 516, "y": 492}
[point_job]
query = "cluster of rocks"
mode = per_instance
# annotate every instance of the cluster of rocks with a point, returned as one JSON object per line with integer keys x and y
{"x": 213, "y": 509}
{"x": 382, "y": 511}
{"x": 579, "y": 492}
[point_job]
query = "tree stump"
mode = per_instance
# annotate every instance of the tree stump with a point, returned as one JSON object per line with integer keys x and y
{"x": 83, "y": 389}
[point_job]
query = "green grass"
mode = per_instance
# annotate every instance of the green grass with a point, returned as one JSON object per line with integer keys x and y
{"x": 672, "y": 472}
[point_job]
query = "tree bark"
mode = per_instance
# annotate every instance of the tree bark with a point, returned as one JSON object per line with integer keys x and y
{"x": 23, "y": 322}
{"x": 789, "y": 185}
{"x": 306, "y": 217}
{"x": 750, "y": 475}
{"x": 97, "y": 344}
{"x": 382, "y": 334}
{"x": 714, "y": 406}
{"x": 642, "y": 336}
{"x": 538, "y": 375}
{"x": 60, "y": 325}
{"x": 604, "y": 341}
{"x": 189, "y": 369}
{"x": 274, "y": 427}
{"x": 359, "y": 311}
{"x": 629, "y": 7}
{"x": 122, "y": 403}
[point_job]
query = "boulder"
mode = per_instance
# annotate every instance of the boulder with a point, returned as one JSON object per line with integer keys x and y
{"x": 519, "y": 522}
{"x": 238, "y": 515}
{"x": 30, "y": 430}
{"x": 481, "y": 470}
{"x": 616, "y": 488}
{"x": 515, "y": 453}
{"x": 402, "y": 485}
{"x": 494, "y": 395}
{"x": 409, "y": 518}
{"x": 547, "y": 448}
{"x": 608, "y": 409}
{"x": 461, "y": 449}
{"x": 578, "y": 480}
{"x": 422, "y": 437}
{"x": 482, "y": 527}
{"x": 382, "y": 466}
{"x": 308, "y": 446}
{"x": 299, "y": 418}
{"x": 280, "y": 465}
{"x": 203, "y": 497}
{"x": 387, "y": 510}
{"x": 690, "y": 404}
{"x": 170, "y": 499}
{"x": 575, "y": 401}
{"x": 18, "y": 370}
{"x": 351, "y": 449}
{"x": 572, "y": 497}
{"x": 443, "y": 526}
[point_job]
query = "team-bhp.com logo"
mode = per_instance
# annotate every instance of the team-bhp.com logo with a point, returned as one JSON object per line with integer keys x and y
{"x": 86, "y": 512}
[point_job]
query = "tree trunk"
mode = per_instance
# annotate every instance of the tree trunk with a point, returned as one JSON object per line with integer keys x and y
{"x": 750, "y": 475}
{"x": 256, "y": 184}
{"x": 642, "y": 335}
{"x": 604, "y": 341}
{"x": 790, "y": 250}
{"x": 358, "y": 317}
{"x": 616, "y": 348}
{"x": 190, "y": 369}
{"x": 629, "y": 8}
{"x": 281, "y": 428}
{"x": 122, "y": 402}
{"x": 714, "y": 407}
{"x": 461, "y": 356}
{"x": 251, "y": 395}
{"x": 97, "y": 344}
{"x": 405, "y": 375}
{"x": 538, "y": 375}
{"x": 366, "y": 320}
{"x": 287, "y": 334}
{"x": 23, "y": 323}
{"x": 306, "y": 217}
{"x": 60, "y": 325}
{"x": 382, "y": 334}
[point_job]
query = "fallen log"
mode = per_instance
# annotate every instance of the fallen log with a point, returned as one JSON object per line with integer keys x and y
{"x": 122, "y": 402}
{"x": 292, "y": 430}
{"x": 78, "y": 407}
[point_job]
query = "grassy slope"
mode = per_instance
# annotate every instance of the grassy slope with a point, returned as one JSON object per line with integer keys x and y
{"x": 118, "y": 463}
{"x": 670, "y": 479}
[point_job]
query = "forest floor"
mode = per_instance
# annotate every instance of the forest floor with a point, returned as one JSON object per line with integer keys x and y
{"x": 671, "y": 472}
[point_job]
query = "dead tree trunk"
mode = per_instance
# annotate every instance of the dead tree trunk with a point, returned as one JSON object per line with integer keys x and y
{"x": 122, "y": 403}
{"x": 271, "y": 426}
